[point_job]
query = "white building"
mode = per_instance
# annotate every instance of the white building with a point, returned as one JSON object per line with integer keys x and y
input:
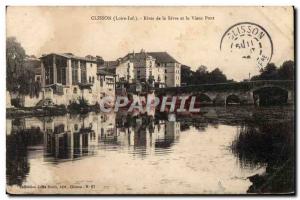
{"x": 67, "y": 78}
{"x": 125, "y": 70}
{"x": 143, "y": 66}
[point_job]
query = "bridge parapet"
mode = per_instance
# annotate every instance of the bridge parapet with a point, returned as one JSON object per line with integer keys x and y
{"x": 227, "y": 87}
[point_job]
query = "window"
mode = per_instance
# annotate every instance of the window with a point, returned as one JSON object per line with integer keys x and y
{"x": 101, "y": 81}
{"x": 83, "y": 71}
{"x": 90, "y": 91}
{"x": 75, "y": 127}
{"x": 49, "y": 75}
{"x": 128, "y": 67}
{"x": 61, "y": 64}
{"x": 48, "y": 63}
{"x": 90, "y": 79}
{"x": 74, "y": 65}
{"x": 93, "y": 79}
{"x": 165, "y": 70}
{"x": 91, "y": 65}
{"x": 75, "y": 90}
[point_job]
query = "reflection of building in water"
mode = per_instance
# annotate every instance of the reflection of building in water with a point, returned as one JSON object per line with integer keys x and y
{"x": 74, "y": 136}
{"x": 71, "y": 137}
{"x": 172, "y": 131}
{"x": 142, "y": 134}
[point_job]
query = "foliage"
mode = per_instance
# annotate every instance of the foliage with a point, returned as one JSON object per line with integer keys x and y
{"x": 20, "y": 77}
{"x": 270, "y": 144}
{"x": 271, "y": 72}
{"x": 202, "y": 76}
{"x": 79, "y": 106}
{"x": 15, "y": 59}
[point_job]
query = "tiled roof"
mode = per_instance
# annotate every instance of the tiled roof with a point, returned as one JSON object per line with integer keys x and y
{"x": 70, "y": 55}
{"x": 163, "y": 57}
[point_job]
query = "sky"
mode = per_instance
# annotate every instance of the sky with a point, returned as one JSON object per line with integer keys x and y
{"x": 42, "y": 30}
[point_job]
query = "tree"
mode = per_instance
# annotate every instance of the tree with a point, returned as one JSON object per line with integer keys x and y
{"x": 286, "y": 70}
{"x": 217, "y": 76}
{"x": 15, "y": 58}
{"x": 202, "y": 69}
{"x": 202, "y": 76}
{"x": 186, "y": 74}
{"x": 20, "y": 75}
{"x": 269, "y": 72}
{"x": 272, "y": 72}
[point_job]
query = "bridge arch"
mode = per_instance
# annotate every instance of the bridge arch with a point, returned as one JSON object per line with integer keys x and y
{"x": 204, "y": 99}
{"x": 268, "y": 86}
{"x": 270, "y": 95}
{"x": 233, "y": 99}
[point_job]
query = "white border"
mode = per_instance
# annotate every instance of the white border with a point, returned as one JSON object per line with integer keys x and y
{"x": 4, "y": 3}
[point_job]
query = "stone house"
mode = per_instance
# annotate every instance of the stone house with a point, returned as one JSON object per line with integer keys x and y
{"x": 159, "y": 67}
{"x": 67, "y": 78}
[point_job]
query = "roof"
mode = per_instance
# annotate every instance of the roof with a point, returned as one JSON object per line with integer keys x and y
{"x": 70, "y": 55}
{"x": 163, "y": 57}
{"x": 103, "y": 72}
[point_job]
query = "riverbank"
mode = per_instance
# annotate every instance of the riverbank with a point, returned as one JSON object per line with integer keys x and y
{"x": 36, "y": 111}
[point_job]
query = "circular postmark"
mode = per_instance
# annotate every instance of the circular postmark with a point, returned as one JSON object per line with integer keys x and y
{"x": 250, "y": 41}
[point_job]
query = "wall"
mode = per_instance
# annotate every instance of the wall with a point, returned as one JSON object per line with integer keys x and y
{"x": 124, "y": 70}
{"x": 8, "y": 100}
{"x": 173, "y": 74}
{"x": 91, "y": 71}
{"x": 32, "y": 101}
{"x": 139, "y": 68}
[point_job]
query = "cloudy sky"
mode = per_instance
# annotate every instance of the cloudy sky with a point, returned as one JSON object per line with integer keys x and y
{"x": 195, "y": 42}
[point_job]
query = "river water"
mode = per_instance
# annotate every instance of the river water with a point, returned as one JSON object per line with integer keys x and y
{"x": 221, "y": 150}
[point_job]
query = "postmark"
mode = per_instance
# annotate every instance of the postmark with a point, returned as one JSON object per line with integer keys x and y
{"x": 250, "y": 41}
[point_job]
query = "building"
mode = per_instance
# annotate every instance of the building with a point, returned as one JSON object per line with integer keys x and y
{"x": 107, "y": 83}
{"x": 159, "y": 67}
{"x": 66, "y": 78}
{"x": 172, "y": 68}
{"x": 125, "y": 70}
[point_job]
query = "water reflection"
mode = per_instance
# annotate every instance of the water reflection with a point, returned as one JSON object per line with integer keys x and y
{"x": 202, "y": 147}
{"x": 72, "y": 137}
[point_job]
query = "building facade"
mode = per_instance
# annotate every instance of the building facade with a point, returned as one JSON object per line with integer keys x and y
{"x": 67, "y": 78}
{"x": 158, "y": 67}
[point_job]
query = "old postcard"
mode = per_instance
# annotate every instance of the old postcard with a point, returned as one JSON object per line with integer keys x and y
{"x": 150, "y": 100}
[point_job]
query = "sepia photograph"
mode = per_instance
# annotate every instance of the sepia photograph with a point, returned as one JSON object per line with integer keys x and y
{"x": 150, "y": 100}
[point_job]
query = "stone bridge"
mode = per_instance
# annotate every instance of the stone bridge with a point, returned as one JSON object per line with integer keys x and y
{"x": 250, "y": 92}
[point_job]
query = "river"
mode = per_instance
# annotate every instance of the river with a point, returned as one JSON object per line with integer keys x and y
{"x": 221, "y": 150}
